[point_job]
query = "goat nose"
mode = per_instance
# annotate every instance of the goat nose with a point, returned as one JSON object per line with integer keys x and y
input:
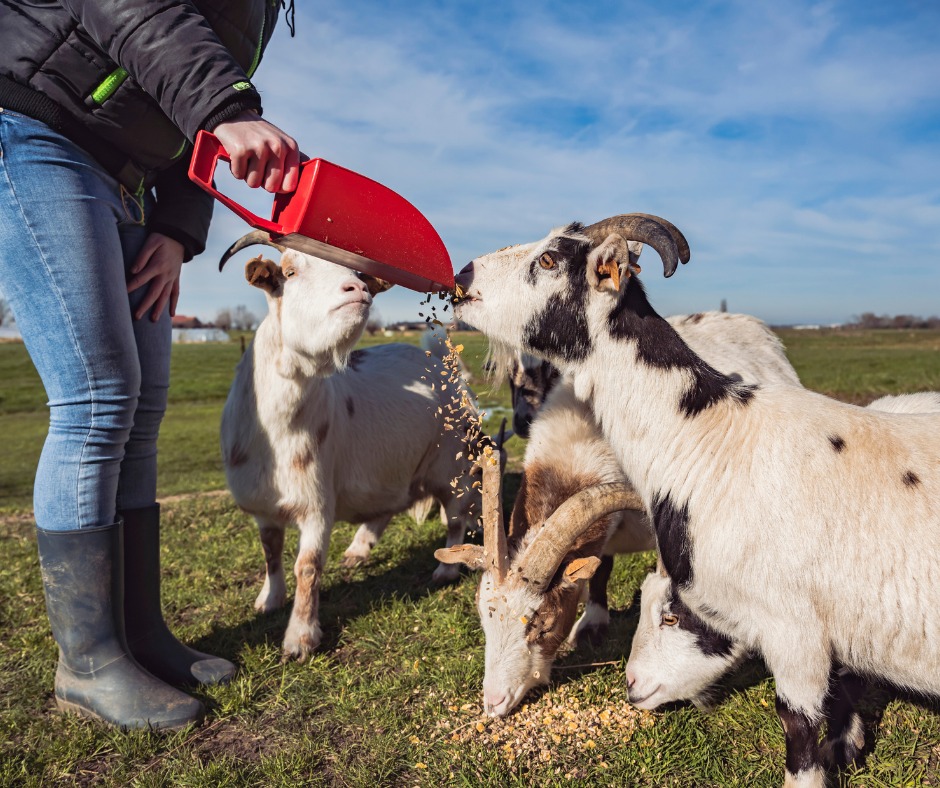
{"x": 492, "y": 702}
{"x": 631, "y": 679}
{"x": 465, "y": 277}
{"x": 352, "y": 285}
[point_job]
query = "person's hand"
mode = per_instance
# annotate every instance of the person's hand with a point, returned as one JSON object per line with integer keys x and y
{"x": 261, "y": 154}
{"x": 158, "y": 263}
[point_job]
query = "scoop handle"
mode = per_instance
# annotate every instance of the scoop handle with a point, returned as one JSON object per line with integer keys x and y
{"x": 207, "y": 152}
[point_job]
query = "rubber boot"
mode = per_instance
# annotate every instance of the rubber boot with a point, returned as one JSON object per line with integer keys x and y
{"x": 97, "y": 677}
{"x": 149, "y": 638}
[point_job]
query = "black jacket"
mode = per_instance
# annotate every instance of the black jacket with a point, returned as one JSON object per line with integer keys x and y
{"x": 132, "y": 81}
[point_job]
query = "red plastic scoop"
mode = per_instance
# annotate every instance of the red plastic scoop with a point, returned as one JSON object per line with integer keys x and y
{"x": 343, "y": 217}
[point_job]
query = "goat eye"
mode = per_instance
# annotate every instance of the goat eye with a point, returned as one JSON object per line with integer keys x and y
{"x": 670, "y": 620}
{"x": 547, "y": 261}
{"x": 289, "y": 272}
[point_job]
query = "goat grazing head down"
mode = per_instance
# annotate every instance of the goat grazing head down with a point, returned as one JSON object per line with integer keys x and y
{"x": 675, "y": 654}
{"x": 528, "y": 595}
{"x": 320, "y": 308}
{"x": 549, "y": 297}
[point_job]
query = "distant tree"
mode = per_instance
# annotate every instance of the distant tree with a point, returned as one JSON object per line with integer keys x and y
{"x": 243, "y": 319}
{"x": 724, "y": 305}
{"x": 375, "y": 323}
{"x": 223, "y": 319}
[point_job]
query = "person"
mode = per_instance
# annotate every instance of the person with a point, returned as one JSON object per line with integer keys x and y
{"x": 99, "y": 102}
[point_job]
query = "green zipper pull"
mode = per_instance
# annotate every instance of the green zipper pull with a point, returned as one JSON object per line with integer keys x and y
{"x": 106, "y": 89}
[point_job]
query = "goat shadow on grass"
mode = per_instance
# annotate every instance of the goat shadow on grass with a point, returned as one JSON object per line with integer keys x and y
{"x": 355, "y": 594}
{"x": 352, "y": 593}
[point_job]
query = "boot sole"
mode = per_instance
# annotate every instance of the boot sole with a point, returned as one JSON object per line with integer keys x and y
{"x": 69, "y": 707}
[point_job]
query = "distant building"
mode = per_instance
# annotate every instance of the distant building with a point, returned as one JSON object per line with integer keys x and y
{"x": 185, "y": 321}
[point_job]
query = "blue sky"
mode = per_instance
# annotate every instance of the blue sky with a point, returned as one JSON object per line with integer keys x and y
{"x": 796, "y": 144}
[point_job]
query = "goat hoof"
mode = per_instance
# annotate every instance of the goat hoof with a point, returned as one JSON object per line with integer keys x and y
{"x": 846, "y": 749}
{"x": 268, "y": 603}
{"x": 351, "y": 560}
{"x": 300, "y": 645}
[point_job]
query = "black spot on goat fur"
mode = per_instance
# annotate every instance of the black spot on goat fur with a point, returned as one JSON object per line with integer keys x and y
{"x": 350, "y": 407}
{"x": 801, "y": 738}
{"x": 911, "y": 479}
{"x": 696, "y": 318}
{"x": 710, "y": 642}
{"x": 560, "y": 330}
{"x": 837, "y": 443}
{"x": 672, "y": 537}
{"x": 658, "y": 345}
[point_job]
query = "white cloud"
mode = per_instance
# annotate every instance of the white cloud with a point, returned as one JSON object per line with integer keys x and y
{"x": 818, "y": 204}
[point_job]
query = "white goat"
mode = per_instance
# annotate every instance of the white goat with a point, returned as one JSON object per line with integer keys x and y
{"x": 675, "y": 654}
{"x": 313, "y": 433}
{"x": 567, "y": 453}
{"x": 762, "y": 499}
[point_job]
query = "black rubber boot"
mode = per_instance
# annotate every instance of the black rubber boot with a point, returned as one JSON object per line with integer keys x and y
{"x": 149, "y": 638}
{"x": 96, "y": 677}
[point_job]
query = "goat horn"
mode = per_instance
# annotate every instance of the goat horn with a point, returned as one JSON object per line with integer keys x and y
{"x": 567, "y": 524}
{"x": 685, "y": 254}
{"x": 254, "y": 237}
{"x": 494, "y": 535}
{"x": 645, "y": 228}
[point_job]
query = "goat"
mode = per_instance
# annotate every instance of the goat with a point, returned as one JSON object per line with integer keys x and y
{"x": 314, "y": 432}
{"x": 724, "y": 339}
{"x": 566, "y": 453}
{"x": 761, "y": 496}
{"x": 675, "y": 654}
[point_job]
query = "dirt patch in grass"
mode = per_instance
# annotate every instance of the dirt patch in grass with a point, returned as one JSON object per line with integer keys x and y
{"x": 232, "y": 739}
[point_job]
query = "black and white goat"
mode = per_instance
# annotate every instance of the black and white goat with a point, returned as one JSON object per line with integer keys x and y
{"x": 762, "y": 499}
{"x": 676, "y": 655}
{"x": 314, "y": 432}
{"x": 566, "y": 453}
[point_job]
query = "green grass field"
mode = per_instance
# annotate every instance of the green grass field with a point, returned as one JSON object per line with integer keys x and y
{"x": 393, "y": 697}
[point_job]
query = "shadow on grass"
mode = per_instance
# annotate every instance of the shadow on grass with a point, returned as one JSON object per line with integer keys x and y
{"x": 352, "y": 593}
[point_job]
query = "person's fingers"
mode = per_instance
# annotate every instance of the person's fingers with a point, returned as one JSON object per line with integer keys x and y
{"x": 149, "y": 299}
{"x": 255, "y": 172}
{"x": 175, "y": 296}
{"x": 291, "y": 169}
{"x": 273, "y": 174}
{"x": 147, "y": 249}
{"x": 142, "y": 277}
{"x": 161, "y": 302}
{"x": 238, "y": 164}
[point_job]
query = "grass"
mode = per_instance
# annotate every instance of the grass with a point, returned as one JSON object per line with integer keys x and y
{"x": 392, "y": 698}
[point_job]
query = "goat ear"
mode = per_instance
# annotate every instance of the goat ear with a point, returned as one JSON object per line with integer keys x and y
{"x": 612, "y": 263}
{"x": 581, "y": 568}
{"x": 471, "y": 555}
{"x": 375, "y": 285}
{"x": 263, "y": 273}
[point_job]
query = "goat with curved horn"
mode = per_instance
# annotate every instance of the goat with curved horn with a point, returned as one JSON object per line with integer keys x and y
{"x": 645, "y": 228}
{"x": 252, "y": 238}
{"x": 560, "y": 531}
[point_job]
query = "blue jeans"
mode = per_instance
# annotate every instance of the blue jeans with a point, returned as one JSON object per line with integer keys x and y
{"x": 69, "y": 234}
